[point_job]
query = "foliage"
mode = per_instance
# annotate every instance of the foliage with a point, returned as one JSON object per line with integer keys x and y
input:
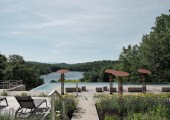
{"x": 15, "y": 68}
{"x": 70, "y": 104}
{"x": 3, "y": 61}
{"x": 4, "y": 93}
{"x": 43, "y": 95}
{"x": 53, "y": 81}
{"x": 97, "y": 74}
{"x": 70, "y": 81}
{"x": 132, "y": 106}
{"x": 42, "y": 68}
{"x": 24, "y": 94}
{"x": 152, "y": 53}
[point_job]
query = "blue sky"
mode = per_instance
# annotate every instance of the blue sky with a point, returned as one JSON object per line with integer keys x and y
{"x": 75, "y": 31}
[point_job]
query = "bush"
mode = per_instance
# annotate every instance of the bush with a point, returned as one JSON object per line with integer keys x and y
{"x": 24, "y": 94}
{"x": 70, "y": 104}
{"x": 4, "y": 93}
{"x": 132, "y": 106}
{"x": 43, "y": 95}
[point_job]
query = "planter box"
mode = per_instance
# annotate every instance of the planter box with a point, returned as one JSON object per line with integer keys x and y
{"x": 113, "y": 89}
{"x": 165, "y": 89}
{"x": 99, "y": 89}
{"x": 105, "y": 88}
{"x": 72, "y": 89}
{"x": 83, "y": 88}
{"x": 135, "y": 89}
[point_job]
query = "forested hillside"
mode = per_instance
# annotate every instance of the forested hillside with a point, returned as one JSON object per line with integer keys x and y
{"x": 15, "y": 68}
{"x": 45, "y": 68}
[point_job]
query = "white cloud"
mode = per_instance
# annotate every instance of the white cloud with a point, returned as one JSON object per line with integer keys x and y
{"x": 50, "y": 24}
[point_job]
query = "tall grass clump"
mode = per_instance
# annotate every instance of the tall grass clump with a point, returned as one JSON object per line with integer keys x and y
{"x": 132, "y": 107}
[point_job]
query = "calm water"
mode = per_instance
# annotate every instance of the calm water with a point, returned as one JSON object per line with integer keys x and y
{"x": 48, "y": 87}
{"x": 68, "y": 76}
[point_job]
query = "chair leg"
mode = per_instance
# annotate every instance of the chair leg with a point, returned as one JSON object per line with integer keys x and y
{"x": 46, "y": 103}
{"x": 17, "y": 111}
{"x": 6, "y": 101}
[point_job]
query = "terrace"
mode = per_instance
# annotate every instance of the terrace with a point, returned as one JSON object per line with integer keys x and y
{"x": 56, "y": 95}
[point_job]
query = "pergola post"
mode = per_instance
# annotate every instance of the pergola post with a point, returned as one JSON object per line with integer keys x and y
{"x": 111, "y": 83}
{"x": 143, "y": 73}
{"x": 62, "y": 83}
{"x": 120, "y": 85}
{"x": 143, "y": 84}
{"x": 76, "y": 88}
{"x": 62, "y": 79}
{"x": 119, "y": 75}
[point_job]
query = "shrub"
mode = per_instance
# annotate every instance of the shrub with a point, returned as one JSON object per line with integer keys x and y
{"x": 111, "y": 117}
{"x": 43, "y": 95}
{"x": 4, "y": 93}
{"x": 70, "y": 104}
{"x": 24, "y": 94}
{"x": 134, "y": 105}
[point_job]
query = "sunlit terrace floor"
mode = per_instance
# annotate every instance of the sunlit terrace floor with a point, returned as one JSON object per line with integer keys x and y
{"x": 13, "y": 105}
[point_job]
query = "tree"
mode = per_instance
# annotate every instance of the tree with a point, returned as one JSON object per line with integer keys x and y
{"x": 130, "y": 62}
{"x": 155, "y": 49}
{"x": 16, "y": 59}
{"x": 3, "y": 61}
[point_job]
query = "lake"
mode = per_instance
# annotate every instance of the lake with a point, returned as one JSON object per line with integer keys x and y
{"x": 72, "y": 75}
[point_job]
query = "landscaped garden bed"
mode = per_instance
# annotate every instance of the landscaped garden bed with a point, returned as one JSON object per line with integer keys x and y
{"x": 133, "y": 107}
{"x": 70, "y": 105}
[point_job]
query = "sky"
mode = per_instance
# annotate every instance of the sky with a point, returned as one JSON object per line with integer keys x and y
{"x": 75, "y": 31}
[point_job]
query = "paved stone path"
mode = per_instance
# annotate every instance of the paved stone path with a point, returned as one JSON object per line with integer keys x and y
{"x": 86, "y": 108}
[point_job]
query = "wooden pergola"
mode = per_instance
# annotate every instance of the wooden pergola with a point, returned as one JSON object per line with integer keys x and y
{"x": 62, "y": 72}
{"x": 118, "y": 74}
{"x": 143, "y": 73}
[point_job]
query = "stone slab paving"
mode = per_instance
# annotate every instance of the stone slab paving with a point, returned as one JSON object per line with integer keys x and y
{"x": 86, "y": 108}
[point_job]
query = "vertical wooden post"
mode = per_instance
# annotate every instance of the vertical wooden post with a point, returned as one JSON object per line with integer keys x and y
{"x": 53, "y": 113}
{"x": 63, "y": 111}
{"x": 62, "y": 83}
{"x": 143, "y": 84}
{"x": 76, "y": 88}
{"x": 111, "y": 83}
{"x": 120, "y": 86}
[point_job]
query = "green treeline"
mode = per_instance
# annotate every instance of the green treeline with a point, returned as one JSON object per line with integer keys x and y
{"x": 45, "y": 68}
{"x": 14, "y": 68}
{"x": 152, "y": 53}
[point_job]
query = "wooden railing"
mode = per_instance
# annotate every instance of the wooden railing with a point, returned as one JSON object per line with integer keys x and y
{"x": 8, "y": 84}
{"x": 53, "y": 94}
